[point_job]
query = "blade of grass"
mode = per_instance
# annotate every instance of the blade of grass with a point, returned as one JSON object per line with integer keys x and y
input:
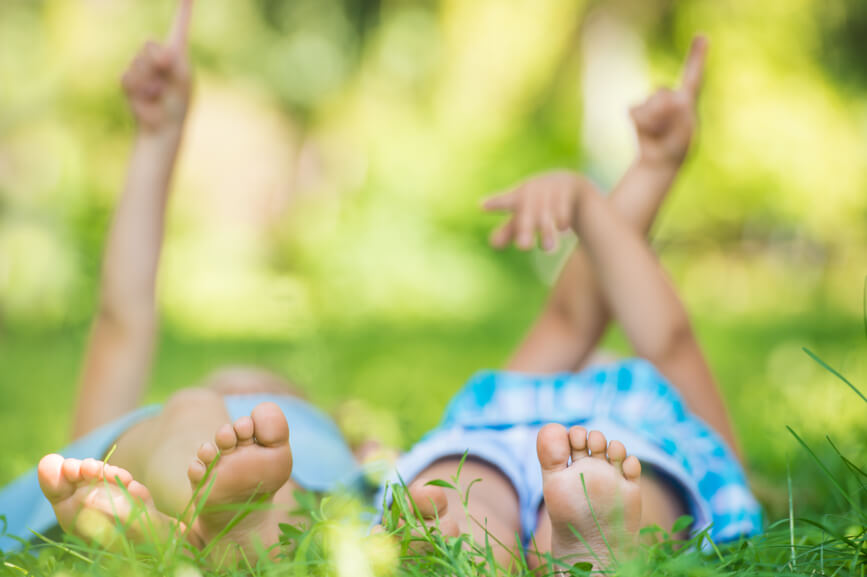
{"x": 852, "y": 466}
{"x": 834, "y": 372}
{"x": 793, "y": 563}
{"x": 836, "y": 535}
{"x": 864, "y": 305}
{"x": 62, "y": 547}
{"x": 823, "y": 467}
{"x": 242, "y": 514}
{"x": 11, "y": 566}
{"x": 463, "y": 460}
{"x": 598, "y": 526}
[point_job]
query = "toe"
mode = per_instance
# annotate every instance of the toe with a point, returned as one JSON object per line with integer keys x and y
{"x": 269, "y": 425}
{"x": 616, "y": 454}
{"x": 196, "y": 472}
{"x": 449, "y": 527}
{"x": 597, "y": 444}
{"x": 117, "y": 475}
{"x": 578, "y": 442}
{"x": 139, "y": 491}
{"x": 244, "y": 430}
{"x": 552, "y": 446}
{"x": 431, "y": 500}
{"x": 51, "y": 479}
{"x": 632, "y": 468}
{"x": 71, "y": 469}
{"x": 207, "y": 453}
{"x": 91, "y": 470}
{"x": 226, "y": 438}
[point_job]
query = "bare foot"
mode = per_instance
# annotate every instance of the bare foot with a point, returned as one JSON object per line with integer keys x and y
{"x": 255, "y": 461}
{"x": 610, "y": 521}
{"x": 91, "y": 499}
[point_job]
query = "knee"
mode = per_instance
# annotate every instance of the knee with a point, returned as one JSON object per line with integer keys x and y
{"x": 193, "y": 399}
{"x": 241, "y": 380}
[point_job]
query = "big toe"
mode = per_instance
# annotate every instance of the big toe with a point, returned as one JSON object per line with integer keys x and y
{"x": 433, "y": 506}
{"x": 430, "y": 500}
{"x": 51, "y": 479}
{"x": 552, "y": 447}
{"x": 269, "y": 425}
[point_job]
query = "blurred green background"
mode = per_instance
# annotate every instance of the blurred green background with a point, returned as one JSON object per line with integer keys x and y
{"x": 325, "y": 219}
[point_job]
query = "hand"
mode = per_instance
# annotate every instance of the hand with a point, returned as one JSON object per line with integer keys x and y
{"x": 545, "y": 205}
{"x": 666, "y": 121}
{"x": 157, "y": 82}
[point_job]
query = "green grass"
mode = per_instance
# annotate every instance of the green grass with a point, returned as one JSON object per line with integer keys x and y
{"x": 807, "y": 467}
{"x": 333, "y": 540}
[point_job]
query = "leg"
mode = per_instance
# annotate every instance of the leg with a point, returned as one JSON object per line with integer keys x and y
{"x": 172, "y": 453}
{"x": 648, "y": 308}
{"x": 492, "y": 514}
{"x": 158, "y": 451}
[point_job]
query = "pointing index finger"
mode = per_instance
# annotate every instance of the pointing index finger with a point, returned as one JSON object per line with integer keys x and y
{"x": 693, "y": 70}
{"x": 179, "y": 35}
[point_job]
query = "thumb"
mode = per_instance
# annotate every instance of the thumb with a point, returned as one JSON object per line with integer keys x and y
{"x": 643, "y": 114}
{"x": 498, "y": 202}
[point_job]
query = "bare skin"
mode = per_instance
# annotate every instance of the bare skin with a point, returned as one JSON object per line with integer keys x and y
{"x": 170, "y": 453}
{"x": 613, "y": 274}
{"x": 492, "y": 509}
{"x": 628, "y": 272}
{"x": 254, "y": 467}
{"x": 158, "y": 452}
{"x": 122, "y": 338}
{"x": 89, "y": 497}
{"x": 597, "y": 495}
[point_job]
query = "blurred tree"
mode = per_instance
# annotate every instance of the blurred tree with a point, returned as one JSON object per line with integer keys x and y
{"x": 843, "y": 26}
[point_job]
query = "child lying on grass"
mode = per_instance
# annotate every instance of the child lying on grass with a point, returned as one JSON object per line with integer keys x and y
{"x": 539, "y": 444}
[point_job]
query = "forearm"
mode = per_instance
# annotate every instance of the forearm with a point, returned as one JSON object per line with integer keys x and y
{"x": 577, "y": 295}
{"x": 117, "y": 362}
{"x": 135, "y": 240}
{"x": 119, "y": 353}
{"x": 639, "y": 193}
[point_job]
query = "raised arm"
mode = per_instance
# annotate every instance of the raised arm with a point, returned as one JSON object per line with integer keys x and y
{"x": 576, "y": 315}
{"x": 117, "y": 362}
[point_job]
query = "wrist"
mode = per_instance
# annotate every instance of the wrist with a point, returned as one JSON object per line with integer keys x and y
{"x": 660, "y": 165}
{"x": 167, "y": 136}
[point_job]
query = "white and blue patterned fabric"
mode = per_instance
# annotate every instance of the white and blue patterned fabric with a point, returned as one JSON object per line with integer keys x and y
{"x": 497, "y": 415}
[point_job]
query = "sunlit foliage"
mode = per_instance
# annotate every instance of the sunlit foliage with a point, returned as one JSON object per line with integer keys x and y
{"x": 325, "y": 218}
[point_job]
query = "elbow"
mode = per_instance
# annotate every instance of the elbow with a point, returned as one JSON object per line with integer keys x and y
{"x": 127, "y": 320}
